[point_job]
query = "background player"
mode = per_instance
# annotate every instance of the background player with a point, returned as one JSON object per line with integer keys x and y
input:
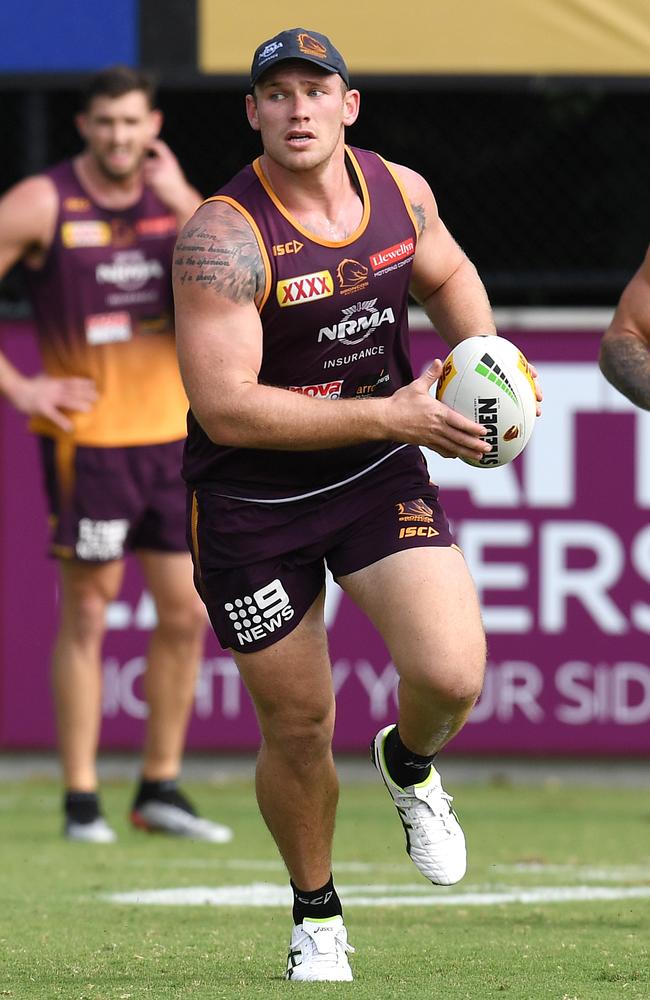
{"x": 95, "y": 235}
{"x": 625, "y": 347}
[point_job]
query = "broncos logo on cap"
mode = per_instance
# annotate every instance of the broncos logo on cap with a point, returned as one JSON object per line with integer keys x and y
{"x": 311, "y": 46}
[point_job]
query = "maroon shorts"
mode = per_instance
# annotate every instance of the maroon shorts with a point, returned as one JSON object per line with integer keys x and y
{"x": 259, "y": 567}
{"x": 107, "y": 501}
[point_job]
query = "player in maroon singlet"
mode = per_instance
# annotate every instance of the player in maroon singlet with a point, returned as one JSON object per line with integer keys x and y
{"x": 95, "y": 236}
{"x": 291, "y": 288}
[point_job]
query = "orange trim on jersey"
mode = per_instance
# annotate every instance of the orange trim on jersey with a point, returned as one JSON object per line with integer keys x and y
{"x": 365, "y": 195}
{"x": 258, "y": 236}
{"x": 64, "y": 455}
{"x": 402, "y": 190}
{"x": 62, "y": 551}
{"x": 194, "y": 527}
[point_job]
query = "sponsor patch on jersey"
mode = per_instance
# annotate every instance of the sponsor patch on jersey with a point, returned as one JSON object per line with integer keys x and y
{"x": 291, "y": 246}
{"x": 75, "y": 204}
{"x": 160, "y": 225}
{"x": 323, "y": 390}
{"x": 129, "y": 270}
{"x": 358, "y": 322}
{"x": 108, "y": 328}
{"x": 304, "y": 288}
{"x": 393, "y": 256}
{"x": 370, "y": 384}
{"x": 86, "y": 233}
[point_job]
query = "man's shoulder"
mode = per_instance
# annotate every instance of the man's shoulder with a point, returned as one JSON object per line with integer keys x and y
{"x": 32, "y": 196}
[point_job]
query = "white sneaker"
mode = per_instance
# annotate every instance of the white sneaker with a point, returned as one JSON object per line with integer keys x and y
{"x": 319, "y": 952}
{"x": 162, "y": 817}
{"x": 435, "y": 841}
{"x": 96, "y": 832}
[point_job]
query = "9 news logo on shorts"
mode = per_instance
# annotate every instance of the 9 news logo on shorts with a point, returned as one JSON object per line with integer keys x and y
{"x": 258, "y": 615}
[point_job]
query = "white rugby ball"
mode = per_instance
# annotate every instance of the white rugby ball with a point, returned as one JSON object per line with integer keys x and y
{"x": 488, "y": 379}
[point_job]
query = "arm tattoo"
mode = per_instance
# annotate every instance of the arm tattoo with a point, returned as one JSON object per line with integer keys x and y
{"x": 220, "y": 253}
{"x": 625, "y": 362}
{"x": 418, "y": 212}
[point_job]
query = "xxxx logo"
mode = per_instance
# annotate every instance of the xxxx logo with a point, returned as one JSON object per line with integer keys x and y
{"x": 304, "y": 288}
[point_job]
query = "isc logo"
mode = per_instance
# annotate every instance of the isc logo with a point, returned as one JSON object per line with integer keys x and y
{"x": 293, "y": 246}
{"x": 420, "y": 532}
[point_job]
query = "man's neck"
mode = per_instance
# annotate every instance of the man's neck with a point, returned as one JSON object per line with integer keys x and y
{"x": 109, "y": 192}
{"x": 324, "y": 201}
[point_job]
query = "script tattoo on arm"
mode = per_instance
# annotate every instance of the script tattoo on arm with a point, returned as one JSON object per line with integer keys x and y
{"x": 218, "y": 252}
{"x": 625, "y": 363}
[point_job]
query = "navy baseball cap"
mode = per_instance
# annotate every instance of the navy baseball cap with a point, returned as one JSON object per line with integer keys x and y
{"x": 298, "y": 43}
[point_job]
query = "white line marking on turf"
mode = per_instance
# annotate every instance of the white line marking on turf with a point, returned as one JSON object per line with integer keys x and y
{"x": 602, "y": 873}
{"x": 264, "y": 894}
{"x": 243, "y": 864}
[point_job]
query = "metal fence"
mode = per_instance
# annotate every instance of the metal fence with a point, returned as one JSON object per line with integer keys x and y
{"x": 542, "y": 180}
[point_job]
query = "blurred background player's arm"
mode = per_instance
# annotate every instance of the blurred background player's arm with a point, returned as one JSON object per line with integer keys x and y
{"x": 625, "y": 347}
{"x": 164, "y": 175}
{"x": 28, "y": 214}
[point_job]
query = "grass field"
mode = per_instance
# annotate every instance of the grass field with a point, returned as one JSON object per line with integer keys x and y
{"x": 555, "y": 904}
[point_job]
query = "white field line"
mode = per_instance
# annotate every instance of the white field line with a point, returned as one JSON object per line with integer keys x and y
{"x": 585, "y": 873}
{"x": 578, "y": 873}
{"x": 263, "y": 894}
{"x": 270, "y": 865}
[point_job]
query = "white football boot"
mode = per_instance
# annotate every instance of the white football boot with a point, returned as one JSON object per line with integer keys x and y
{"x": 318, "y": 952}
{"x": 435, "y": 841}
{"x": 163, "y": 817}
{"x": 96, "y": 832}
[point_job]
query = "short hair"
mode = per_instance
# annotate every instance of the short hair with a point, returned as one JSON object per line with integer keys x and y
{"x": 116, "y": 81}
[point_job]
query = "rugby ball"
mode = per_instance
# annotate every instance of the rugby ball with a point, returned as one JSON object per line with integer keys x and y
{"x": 488, "y": 380}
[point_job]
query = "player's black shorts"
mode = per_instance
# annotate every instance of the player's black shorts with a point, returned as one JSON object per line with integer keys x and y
{"x": 107, "y": 501}
{"x": 259, "y": 567}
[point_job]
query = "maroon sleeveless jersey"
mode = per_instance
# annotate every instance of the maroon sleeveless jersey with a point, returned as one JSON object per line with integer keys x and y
{"x": 103, "y": 309}
{"x": 335, "y": 325}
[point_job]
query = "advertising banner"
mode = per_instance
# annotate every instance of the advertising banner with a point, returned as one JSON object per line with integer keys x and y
{"x": 455, "y": 37}
{"x": 558, "y": 543}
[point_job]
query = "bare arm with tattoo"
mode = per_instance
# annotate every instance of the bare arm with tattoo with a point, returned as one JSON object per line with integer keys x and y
{"x": 218, "y": 283}
{"x": 625, "y": 347}
{"x": 444, "y": 280}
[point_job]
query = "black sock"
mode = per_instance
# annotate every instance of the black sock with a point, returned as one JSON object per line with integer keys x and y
{"x": 82, "y": 807}
{"x": 166, "y": 791}
{"x": 319, "y": 904}
{"x": 405, "y": 767}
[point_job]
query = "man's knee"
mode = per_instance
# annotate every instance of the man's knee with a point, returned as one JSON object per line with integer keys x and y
{"x": 300, "y": 734}
{"x": 183, "y": 621}
{"x": 84, "y": 617}
{"x": 454, "y": 678}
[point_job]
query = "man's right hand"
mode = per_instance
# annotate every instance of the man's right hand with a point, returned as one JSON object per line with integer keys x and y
{"x": 45, "y": 396}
